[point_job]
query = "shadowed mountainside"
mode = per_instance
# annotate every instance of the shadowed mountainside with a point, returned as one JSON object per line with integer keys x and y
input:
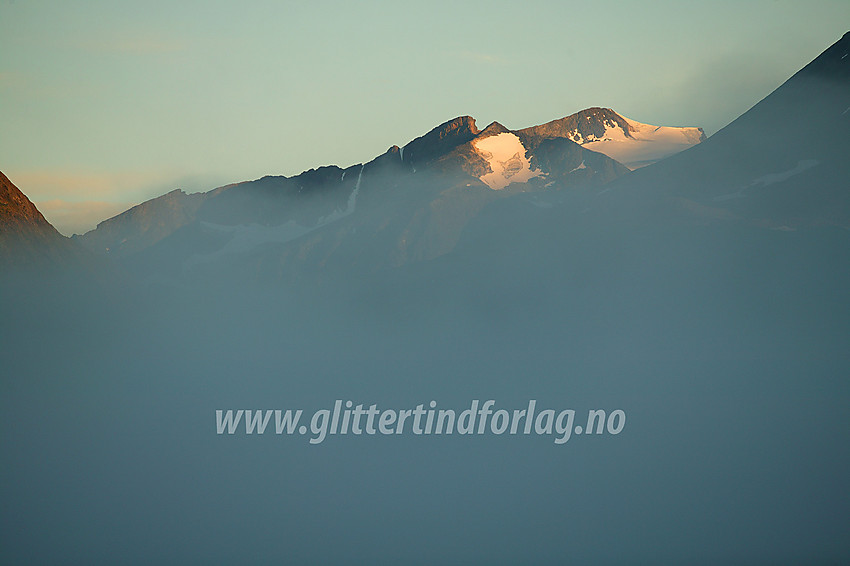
{"x": 409, "y": 204}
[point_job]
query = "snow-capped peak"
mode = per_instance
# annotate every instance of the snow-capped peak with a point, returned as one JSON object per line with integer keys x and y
{"x": 630, "y": 142}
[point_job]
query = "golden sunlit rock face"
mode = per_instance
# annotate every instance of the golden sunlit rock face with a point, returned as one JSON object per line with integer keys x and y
{"x": 24, "y": 233}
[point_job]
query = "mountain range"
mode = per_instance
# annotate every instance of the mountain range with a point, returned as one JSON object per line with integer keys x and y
{"x": 775, "y": 166}
{"x": 409, "y": 204}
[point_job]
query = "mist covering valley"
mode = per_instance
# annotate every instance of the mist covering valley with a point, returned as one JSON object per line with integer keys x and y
{"x": 704, "y": 294}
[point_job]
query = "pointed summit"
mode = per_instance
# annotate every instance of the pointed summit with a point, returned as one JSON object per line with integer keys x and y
{"x": 440, "y": 141}
{"x": 493, "y": 129}
{"x": 782, "y": 164}
{"x": 25, "y": 235}
{"x": 587, "y": 125}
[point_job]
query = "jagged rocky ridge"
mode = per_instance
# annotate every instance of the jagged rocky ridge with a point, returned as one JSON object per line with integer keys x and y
{"x": 408, "y": 204}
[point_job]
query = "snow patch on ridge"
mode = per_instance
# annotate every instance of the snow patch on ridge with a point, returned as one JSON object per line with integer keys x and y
{"x": 773, "y": 178}
{"x": 612, "y": 133}
{"x": 506, "y": 156}
{"x": 581, "y": 166}
{"x": 770, "y": 179}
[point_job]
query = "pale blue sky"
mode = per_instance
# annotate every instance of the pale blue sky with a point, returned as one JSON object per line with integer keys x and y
{"x": 106, "y": 103}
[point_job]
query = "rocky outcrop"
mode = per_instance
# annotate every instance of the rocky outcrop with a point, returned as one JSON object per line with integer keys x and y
{"x": 589, "y": 124}
{"x": 439, "y": 141}
{"x": 25, "y": 235}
